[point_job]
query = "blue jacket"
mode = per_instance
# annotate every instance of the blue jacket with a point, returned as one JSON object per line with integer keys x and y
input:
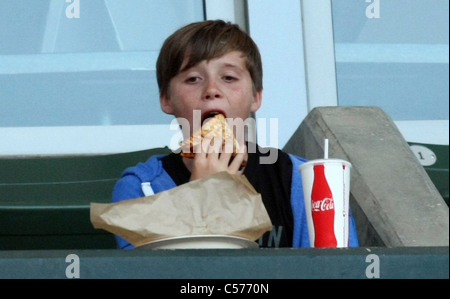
{"x": 148, "y": 178}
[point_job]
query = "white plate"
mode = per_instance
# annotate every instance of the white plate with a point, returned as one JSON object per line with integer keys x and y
{"x": 203, "y": 241}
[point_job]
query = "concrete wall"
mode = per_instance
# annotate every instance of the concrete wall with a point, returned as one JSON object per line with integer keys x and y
{"x": 393, "y": 200}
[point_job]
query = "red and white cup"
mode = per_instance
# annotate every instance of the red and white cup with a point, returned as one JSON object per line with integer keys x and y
{"x": 326, "y": 188}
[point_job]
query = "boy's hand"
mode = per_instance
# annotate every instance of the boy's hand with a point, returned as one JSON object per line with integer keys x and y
{"x": 209, "y": 160}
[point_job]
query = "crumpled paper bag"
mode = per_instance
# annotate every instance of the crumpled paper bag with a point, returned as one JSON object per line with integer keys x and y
{"x": 220, "y": 204}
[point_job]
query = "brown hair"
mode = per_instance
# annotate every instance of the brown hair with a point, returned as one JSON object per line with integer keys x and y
{"x": 204, "y": 41}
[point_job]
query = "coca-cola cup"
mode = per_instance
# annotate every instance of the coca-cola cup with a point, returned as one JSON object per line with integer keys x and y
{"x": 326, "y": 188}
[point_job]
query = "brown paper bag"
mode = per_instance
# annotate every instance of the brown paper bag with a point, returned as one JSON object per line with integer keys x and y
{"x": 220, "y": 204}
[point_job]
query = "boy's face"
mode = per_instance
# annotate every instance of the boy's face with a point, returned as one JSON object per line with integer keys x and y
{"x": 220, "y": 85}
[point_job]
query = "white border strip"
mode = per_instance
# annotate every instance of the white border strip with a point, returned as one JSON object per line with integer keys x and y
{"x": 391, "y": 53}
{"x": 77, "y": 62}
{"x": 80, "y": 140}
{"x": 424, "y": 131}
{"x": 319, "y": 53}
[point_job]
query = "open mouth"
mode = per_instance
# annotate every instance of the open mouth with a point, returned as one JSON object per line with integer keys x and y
{"x": 206, "y": 116}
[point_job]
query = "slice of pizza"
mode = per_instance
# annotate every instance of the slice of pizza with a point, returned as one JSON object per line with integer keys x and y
{"x": 216, "y": 126}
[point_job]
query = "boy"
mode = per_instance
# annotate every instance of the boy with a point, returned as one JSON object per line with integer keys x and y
{"x": 209, "y": 67}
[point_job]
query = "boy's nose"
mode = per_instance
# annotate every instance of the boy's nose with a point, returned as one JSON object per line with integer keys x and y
{"x": 212, "y": 91}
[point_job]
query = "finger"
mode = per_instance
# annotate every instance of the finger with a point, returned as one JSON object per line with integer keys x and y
{"x": 200, "y": 150}
{"x": 215, "y": 146}
{"x": 226, "y": 151}
{"x": 205, "y": 146}
{"x": 239, "y": 161}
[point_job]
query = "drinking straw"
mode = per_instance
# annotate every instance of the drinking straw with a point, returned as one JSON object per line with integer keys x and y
{"x": 325, "y": 149}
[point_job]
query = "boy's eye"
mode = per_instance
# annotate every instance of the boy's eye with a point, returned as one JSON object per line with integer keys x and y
{"x": 192, "y": 79}
{"x": 229, "y": 78}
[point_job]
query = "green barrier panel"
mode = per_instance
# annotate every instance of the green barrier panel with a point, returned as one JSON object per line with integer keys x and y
{"x": 45, "y": 201}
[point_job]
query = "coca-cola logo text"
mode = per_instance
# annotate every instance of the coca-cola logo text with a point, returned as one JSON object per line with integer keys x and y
{"x": 325, "y": 204}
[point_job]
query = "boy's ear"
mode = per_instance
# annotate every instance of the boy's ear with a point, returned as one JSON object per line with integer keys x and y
{"x": 257, "y": 100}
{"x": 166, "y": 106}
